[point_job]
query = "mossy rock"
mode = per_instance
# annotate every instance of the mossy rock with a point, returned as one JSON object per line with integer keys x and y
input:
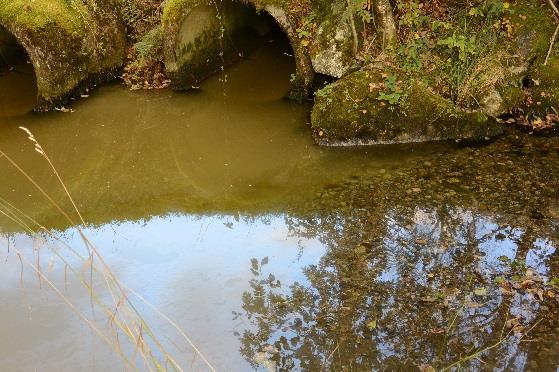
{"x": 68, "y": 43}
{"x": 544, "y": 90}
{"x": 350, "y": 112}
{"x": 493, "y": 87}
{"x": 331, "y": 47}
{"x": 532, "y": 29}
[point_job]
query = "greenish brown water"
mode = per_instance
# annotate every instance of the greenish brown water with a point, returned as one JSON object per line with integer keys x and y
{"x": 227, "y": 147}
{"x": 273, "y": 253}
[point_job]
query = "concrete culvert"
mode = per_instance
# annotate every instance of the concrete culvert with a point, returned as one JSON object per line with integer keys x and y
{"x": 201, "y": 39}
{"x": 71, "y": 44}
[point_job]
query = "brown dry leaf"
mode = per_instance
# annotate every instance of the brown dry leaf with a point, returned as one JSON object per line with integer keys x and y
{"x": 428, "y": 299}
{"x": 373, "y": 86}
{"x": 438, "y": 330}
{"x": 426, "y": 368}
{"x": 514, "y": 322}
{"x": 518, "y": 330}
{"x": 506, "y": 291}
{"x": 473, "y": 305}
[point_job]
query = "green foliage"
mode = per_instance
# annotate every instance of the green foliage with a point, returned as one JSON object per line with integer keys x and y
{"x": 350, "y": 8}
{"x": 306, "y": 30}
{"x": 140, "y": 16}
{"x": 130, "y": 11}
{"x": 394, "y": 94}
{"x": 438, "y": 25}
{"x": 325, "y": 92}
{"x": 150, "y": 45}
{"x": 413, "y": 15}
{"x": 410, "y": 54}
{"x": 359, "y": 8}
{"x": 463, "y": 45}
{"x": 490, "y": 9}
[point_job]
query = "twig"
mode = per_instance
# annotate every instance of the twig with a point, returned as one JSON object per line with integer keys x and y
{"x": 552, "y": 41}
{"x": 477, "y": 353}
{"x": 328, "y": 358}
{"x": 551, "y": 44}
{"x": 555, "y": 10}
{"x": 501, "y": 340}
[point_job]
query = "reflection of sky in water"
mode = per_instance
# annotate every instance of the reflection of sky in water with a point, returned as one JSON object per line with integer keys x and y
{"x": 426, "y": 236}
{"x": 196, "y": 269}
{"x": 193, "y": 268}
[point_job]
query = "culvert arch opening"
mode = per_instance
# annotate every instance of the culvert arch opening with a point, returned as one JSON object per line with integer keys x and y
{"x": 18, "y": 82}
{"x": 206, "y": 38}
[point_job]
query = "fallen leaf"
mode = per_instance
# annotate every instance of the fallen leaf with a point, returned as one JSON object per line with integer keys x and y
{"x": 480, "y": 291}
{"x": 472, "y": 305}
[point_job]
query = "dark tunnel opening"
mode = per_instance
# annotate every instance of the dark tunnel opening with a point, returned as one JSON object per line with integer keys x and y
{"x": 18, "y": 83}
{"x": 260, "y": 52}
{"x": 211, "y": 39}
{"x": 260, "y": 29}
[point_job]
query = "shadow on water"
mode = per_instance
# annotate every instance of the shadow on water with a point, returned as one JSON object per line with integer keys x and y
{"x": 399, "y": 257}
{"x": 18, "y": 85}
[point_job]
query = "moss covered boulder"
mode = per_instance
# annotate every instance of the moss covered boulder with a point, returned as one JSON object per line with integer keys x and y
{"x": 68, "y": 43}
{"x": 542, "y": 96}
{"x": 374, "y": 107}
{"x": 512, "y": 74}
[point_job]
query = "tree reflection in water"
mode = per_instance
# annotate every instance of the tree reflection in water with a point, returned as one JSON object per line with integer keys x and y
{"x": 410, "y": 288}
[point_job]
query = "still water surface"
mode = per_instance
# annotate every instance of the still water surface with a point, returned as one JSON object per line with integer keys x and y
{"x": 268, "y": 251}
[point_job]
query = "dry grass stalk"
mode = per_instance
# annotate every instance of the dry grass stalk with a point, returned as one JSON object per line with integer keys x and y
{"x": 121, "y": 314}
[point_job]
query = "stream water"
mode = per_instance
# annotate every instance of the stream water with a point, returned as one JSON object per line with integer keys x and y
{"x": 268, "y": 251}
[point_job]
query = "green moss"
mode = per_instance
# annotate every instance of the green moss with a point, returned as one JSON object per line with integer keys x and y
{"x": 513, "y": 96}
{"x": 37, "y": 15}
{"x": 68, "y": 41}
{"x": 351, "y": 110}
{"x": 544, "y": 94}
{"x": 173, "y": 11}
{"x": 532, "y": 25}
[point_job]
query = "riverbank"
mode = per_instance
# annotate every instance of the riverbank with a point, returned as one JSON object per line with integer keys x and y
{"x": 396, "y": 72}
